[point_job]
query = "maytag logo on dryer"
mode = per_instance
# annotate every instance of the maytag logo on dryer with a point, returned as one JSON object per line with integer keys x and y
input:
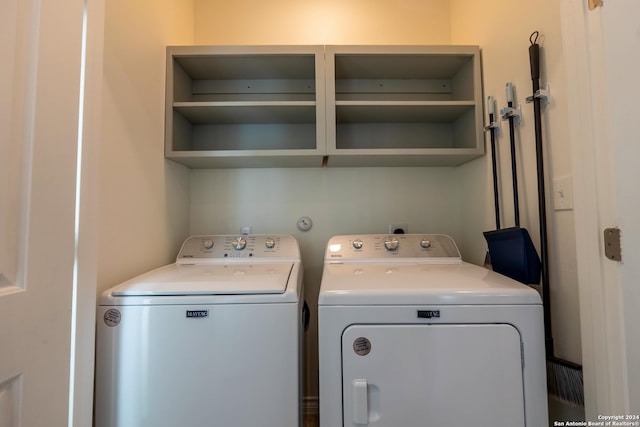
{"x": 197, "y": 314}
{"x": 428, "y": 314}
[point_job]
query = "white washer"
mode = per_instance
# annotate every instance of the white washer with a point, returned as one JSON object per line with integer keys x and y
{"x": 211, "y": 340}
{"x": 410, "y": 335}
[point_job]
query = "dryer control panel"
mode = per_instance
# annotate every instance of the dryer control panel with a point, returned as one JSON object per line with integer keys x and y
{"x": 410, "y": 247}
{"x": 234, "y": 246}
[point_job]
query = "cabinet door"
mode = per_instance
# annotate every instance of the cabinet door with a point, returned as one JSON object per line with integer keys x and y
{"x": 432, "y": 376}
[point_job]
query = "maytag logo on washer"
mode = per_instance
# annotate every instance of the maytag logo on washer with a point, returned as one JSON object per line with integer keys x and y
{"x": 428, "y": 314}
{"x": 197, "y": 314}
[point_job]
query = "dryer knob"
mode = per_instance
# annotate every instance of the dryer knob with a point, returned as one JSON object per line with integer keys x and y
{"x": 391, "y": 243}
{"x": 270, "y": 243}
{"x": 239, "y": 243}
{"x": 208, "y": 244}
{"x": 425, "y": 244}
{"x": 358, "y": 244}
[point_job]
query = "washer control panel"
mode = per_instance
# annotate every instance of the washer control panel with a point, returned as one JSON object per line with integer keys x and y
{"x": 239, "y": 246}
{"x": 392, "y": 246}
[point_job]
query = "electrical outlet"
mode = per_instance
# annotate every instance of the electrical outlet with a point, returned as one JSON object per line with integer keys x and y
{"x": 246, "y": 230}
{"x": 398, "y": 228}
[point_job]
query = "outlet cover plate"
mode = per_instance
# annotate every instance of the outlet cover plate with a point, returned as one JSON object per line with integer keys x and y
{"x": 562, "y": 193}
{"x": 394, "y": 227}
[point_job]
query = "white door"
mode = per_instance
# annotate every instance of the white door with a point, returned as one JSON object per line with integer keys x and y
{"x": 40, "y": 51}
{"x": 602, "y": 53}
{"x": 621, "y": 33}
{"x": 432, "y": 376}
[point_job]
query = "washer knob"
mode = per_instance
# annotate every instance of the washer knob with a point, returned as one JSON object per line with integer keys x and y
{"x": 391, "y": 243}
{"x": 270, "y": 243}
{"x": 239, "y": 243}
{"x": 424, "y": 243}
{"x": 357, "y": 244}
{"x": 208, "y": 244}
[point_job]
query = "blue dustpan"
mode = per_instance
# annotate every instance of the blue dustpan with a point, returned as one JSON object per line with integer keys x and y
{"x": 513, "y": 254}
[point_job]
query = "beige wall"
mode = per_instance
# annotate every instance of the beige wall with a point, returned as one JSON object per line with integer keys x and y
{"x": 322, "y": 22}
{"x": 143, "y": 197}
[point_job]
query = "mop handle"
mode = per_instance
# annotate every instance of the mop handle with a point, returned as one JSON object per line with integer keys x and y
{"x": 534, "y": 60}
{"x": 514, "y": 171}
{"x": 496, "y": 201}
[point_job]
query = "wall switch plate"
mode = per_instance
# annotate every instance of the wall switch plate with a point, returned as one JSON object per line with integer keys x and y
{"x": 562, "y": 193}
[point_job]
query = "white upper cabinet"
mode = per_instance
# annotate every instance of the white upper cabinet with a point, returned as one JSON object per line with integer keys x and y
{"x": 245, "y": 106}
{"x": 301, "y": 106}
{"x": 403, "y": 105}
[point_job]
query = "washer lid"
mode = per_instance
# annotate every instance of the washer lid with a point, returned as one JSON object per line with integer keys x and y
{"x": 203, "y": 279}
{"x": 411, "y": 284}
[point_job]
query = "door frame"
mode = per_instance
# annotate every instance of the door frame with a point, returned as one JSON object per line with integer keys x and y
{"x": 85, "y": 281}
{"x": 599, "y": 281}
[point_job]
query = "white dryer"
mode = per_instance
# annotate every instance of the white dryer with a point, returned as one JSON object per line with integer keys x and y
{"x": 211, "y": 340}
{"x": 410, "y": 335}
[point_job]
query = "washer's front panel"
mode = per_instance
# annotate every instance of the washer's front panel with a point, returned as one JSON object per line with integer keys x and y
{"x": 432, "y": 375}
{"x": 198, "y": 365}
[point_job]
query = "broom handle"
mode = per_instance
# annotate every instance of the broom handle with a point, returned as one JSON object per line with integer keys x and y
{"x": 492, "y": 131}
{"x": 534, "y": 58}
{"x": 514, "y": 172}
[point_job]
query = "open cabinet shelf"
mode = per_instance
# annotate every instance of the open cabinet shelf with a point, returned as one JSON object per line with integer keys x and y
{"x": 403, "y": 105}
{"x": 298, "y": 106}
{"x": 245, "y": 106}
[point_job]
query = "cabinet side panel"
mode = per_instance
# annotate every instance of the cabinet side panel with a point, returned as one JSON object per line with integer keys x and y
{"x": 182, "y": 84}
{"x": 464, "y": 131}
{"x": 181, "y": 137}
{"x": 463, "y": 83}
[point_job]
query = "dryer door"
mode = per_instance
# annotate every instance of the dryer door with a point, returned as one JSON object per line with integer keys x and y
{"x": 432, "y": 376}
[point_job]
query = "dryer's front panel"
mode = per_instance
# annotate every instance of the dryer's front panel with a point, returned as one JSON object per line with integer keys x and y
{"x": 432, "y": 376}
